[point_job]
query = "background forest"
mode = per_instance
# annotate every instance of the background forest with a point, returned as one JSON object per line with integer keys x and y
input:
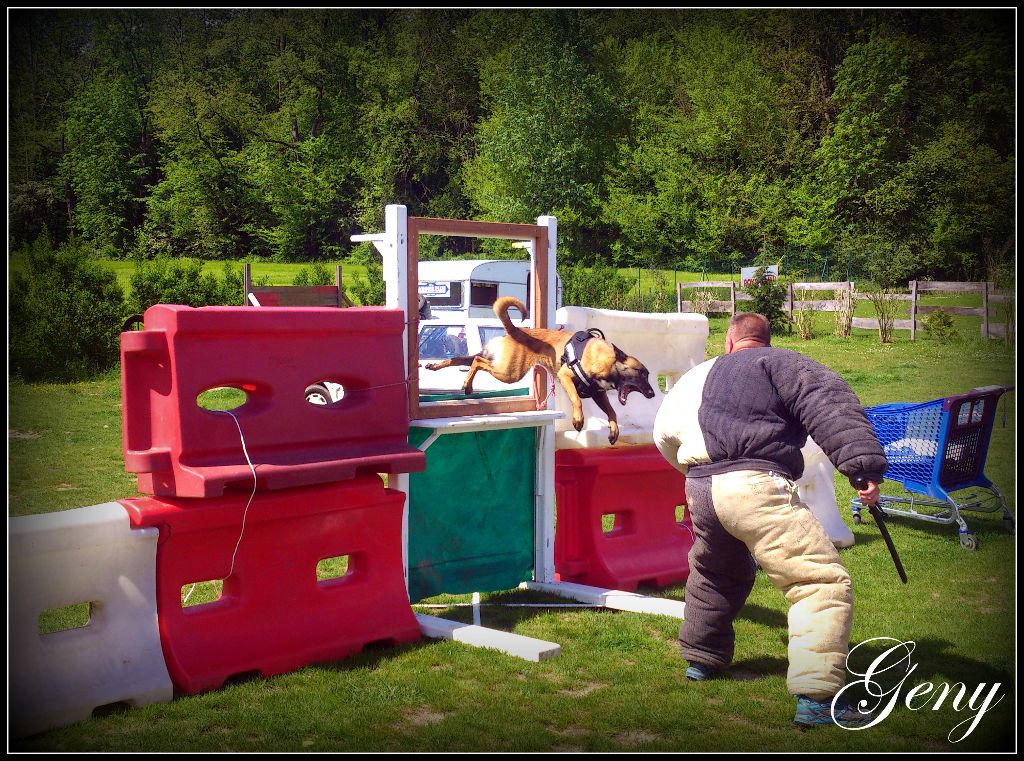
{"x": 870, "y": 143}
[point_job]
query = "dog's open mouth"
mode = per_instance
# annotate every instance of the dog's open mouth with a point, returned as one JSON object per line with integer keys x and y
{"x": 626, "y": 388}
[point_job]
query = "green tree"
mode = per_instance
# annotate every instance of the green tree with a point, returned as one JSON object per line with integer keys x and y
{"x": 102, "y": 161}
{"x": 547, "y": 134}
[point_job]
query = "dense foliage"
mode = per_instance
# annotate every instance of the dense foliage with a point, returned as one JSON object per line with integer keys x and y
{"x": 65, "y": 310}
{"x": 840, "y": 143}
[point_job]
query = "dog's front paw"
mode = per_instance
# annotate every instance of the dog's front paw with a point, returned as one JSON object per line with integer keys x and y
{"x": 431, "y": 366}
{"x": 577, "y": 423}
{"x": 613, "y": 433}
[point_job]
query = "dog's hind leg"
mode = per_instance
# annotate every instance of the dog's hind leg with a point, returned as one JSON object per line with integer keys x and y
{"x": 453, "y": 362}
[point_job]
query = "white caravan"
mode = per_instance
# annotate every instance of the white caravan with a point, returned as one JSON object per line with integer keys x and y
{"x": 470, "y": 287}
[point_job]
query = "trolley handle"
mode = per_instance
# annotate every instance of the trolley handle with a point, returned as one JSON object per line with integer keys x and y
{"x": 975, "y": 393}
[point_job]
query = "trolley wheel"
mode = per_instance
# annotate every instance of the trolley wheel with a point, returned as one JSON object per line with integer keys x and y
{"x": 857, "y": 519}
{"x": 969, "y": 541}
{"x": 1008, "y": 522}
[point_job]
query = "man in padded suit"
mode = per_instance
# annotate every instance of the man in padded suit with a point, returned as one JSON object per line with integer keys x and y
{"x": 735, "y": 425}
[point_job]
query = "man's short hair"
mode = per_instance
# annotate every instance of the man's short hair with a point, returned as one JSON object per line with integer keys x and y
{"x": 751, "y": 325}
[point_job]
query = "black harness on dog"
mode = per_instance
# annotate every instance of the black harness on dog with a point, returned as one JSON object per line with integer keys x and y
{"x": 585, "y": 387}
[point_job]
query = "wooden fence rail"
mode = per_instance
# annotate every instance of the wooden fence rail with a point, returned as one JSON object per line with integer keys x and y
{"x": 916, "y": 287}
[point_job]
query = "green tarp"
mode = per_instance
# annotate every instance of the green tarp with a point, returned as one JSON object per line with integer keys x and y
{"x": 471, "y": 513}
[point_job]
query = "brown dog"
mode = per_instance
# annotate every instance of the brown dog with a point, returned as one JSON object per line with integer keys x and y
{"x": 589, "y": 367}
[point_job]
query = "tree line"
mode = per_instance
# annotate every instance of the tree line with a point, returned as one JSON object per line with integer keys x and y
{"x": 879, "y": 143}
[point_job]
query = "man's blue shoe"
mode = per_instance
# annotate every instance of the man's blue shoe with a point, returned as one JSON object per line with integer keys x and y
{"x": 811, "y": 713}
{"x": 698, "y": 672}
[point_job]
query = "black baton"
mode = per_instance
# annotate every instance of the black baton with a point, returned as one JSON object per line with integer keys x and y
{"x": 879, "y": 516}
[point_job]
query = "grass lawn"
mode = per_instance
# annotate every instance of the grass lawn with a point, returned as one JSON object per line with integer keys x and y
{"x": 618, "y": 684}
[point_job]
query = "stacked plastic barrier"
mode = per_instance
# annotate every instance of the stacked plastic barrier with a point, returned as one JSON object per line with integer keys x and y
{"x": 315, "y": 497}
{"x": 308, "y": 553}
{"x": 647, "y": 542}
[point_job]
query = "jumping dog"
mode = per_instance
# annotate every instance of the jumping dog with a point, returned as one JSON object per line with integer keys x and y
{"x": 587, "y": 365}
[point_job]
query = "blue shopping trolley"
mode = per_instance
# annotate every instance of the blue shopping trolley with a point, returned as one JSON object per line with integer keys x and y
{"x": 937, "y": 449}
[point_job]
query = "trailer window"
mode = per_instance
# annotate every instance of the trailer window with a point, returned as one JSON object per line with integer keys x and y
{"x": 483, "y": 294}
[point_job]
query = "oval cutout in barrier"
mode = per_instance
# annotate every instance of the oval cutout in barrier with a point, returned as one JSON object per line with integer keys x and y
{"x": 324, "y": 393}
{"x": 333, "y": 569}
{"x": 221, "y": 398}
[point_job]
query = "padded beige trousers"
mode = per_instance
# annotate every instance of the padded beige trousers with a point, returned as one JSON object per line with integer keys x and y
{"x": 761, "y": 512}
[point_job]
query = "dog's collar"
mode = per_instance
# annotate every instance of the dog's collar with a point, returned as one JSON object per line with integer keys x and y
{"x": 585, "y": 387}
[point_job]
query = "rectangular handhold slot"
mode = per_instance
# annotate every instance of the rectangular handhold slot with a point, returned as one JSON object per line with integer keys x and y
{"x": 333, "y": 570}
{"x": 201, "y": 593}
{"x": 67, "y": 617}
{"x": 616, "y": 523}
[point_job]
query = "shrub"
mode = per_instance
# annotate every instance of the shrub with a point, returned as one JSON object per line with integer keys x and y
{"x": 701, "y": 301}
{"x": 939, "y": 325}
{"x": 803, "y": 317}
{"x": 65, "y": 314}
{"x": 601, "y": 286}
{"x": 320, "y": 275}
{"x": 768, "y": 296}
{"x": 182, "y": 281}
{"x": 886, "y": 305}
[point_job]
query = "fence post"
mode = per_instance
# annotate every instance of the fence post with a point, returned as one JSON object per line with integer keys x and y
{"x": 984, "y": 308}
{"x": 679, "y": 297}
{"x": 790, "y": 305}
{"x": 246, "y": 284}
{"x": 913, "y": 310}
{"x": 732, "y": 296}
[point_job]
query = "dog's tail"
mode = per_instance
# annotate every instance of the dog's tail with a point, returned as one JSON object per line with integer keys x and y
{"x": 501, "y": 307}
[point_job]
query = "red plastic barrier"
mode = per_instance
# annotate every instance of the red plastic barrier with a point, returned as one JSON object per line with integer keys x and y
{"x": 273, "y": 615}
{"x": 647, "y": 545}
{"x": 180, "y": 449}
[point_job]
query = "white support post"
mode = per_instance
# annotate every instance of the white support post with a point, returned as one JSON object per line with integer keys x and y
{"x": 544, "y": 507}
{"x": 393, "y": 245}
{"x": 544, "y": 533}
{"x": 611, "y": 598}
{"x": 527, "y": 648}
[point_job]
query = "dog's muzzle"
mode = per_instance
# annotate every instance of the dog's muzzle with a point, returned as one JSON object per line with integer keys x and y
{"x": 626, "y": 388}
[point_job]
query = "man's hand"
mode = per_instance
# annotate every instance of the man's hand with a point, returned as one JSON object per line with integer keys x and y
{"x": 869, "y": 494}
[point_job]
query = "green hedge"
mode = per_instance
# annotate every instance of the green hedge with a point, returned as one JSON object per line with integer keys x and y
{"x": 64, "y": 313}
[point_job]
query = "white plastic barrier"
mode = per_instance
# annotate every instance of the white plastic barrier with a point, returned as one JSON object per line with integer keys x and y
{"x": 817, "y": 489}
{"x": 668, "y": 345}
{"x": 57, "y": 560}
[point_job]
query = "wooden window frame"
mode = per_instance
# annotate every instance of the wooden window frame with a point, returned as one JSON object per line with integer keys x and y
{"x": 417, "y": 226}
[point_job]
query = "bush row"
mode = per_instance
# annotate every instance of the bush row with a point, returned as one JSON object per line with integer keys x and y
{"x": 67, "y": 311}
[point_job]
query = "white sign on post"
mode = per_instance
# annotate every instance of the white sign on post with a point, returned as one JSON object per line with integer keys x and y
{"x": 747, "y": 274}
